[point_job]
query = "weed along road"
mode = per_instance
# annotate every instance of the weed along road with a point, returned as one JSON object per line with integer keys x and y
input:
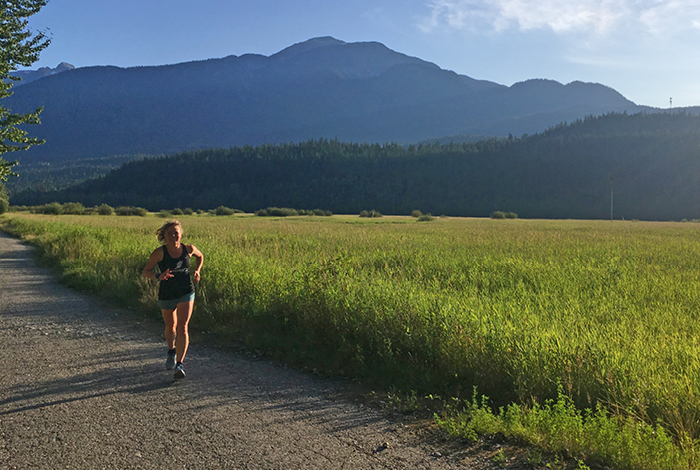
{"x": 83, "y": 385}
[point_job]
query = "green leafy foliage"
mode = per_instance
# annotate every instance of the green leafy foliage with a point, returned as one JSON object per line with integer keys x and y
{"x": 288, "y": 212}
{"x": 6, "y": 168}
{"x": 74, "y": 208}
{"x": 53, "y": 208}
{"x": 18, "y": 47}
{"x": 558, "y": 427}
{"x": 131, "y": 210}
{"x": 371, "y": 214}
{"x": 104, "y": 209}
{"x": 4, "y": 199}
{"x": 223, "y": 210}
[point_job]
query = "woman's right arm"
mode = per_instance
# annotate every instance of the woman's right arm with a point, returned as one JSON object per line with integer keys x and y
{"x": 148, "y": 272}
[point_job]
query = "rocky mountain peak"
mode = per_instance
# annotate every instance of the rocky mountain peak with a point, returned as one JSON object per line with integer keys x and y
{"x": 29, "y": 76}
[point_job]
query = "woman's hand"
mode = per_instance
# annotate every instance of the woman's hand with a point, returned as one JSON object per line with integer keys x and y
{"x": 166, "y": 275}
{"x": 197, "y": 276}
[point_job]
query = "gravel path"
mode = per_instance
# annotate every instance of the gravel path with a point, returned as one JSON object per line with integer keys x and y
{"x": 83, "y": 386}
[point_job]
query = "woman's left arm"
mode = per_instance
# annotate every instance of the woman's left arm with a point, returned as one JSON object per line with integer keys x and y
{"x": 200, "y": 261}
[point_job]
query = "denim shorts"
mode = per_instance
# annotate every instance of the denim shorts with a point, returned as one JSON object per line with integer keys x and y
{"x": 172, "y": 304}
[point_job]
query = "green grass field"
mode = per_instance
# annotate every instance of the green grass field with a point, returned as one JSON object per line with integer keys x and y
{"x": 603, "y": 314}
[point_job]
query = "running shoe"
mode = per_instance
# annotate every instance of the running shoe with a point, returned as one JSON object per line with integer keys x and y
{"x": 179, "y": 372}
{"x": 170, "y": 361}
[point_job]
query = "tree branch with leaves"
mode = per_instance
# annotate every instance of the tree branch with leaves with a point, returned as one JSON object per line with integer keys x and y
{"x": 19, "y": 46}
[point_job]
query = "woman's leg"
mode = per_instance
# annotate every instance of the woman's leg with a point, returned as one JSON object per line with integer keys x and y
{"x": 183, "y": 314}
{"x": 170, "y": 320}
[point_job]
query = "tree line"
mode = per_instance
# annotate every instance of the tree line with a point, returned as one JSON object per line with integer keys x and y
{"x": 568, "y": 171}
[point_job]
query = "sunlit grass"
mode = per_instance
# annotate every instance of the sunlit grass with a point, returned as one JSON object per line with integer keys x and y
{"x": 607, "y": 312}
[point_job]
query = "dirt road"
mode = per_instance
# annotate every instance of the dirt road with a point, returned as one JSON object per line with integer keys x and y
{"x": 83, "y": 386}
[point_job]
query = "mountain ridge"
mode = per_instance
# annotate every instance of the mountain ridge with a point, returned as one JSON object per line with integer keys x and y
{"x": 320, "y": 88}
{"x": 28, "y": 76}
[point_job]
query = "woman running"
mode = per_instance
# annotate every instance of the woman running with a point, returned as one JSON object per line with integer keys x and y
{"x": 176, "y": 290}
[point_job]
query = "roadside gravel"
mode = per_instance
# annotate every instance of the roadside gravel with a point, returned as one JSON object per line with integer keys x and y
{"x": 83, "y": 386}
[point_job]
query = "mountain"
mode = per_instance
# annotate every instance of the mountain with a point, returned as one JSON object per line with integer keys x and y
{"x": 29, "y": 76}
{"x": 321, "y": 88}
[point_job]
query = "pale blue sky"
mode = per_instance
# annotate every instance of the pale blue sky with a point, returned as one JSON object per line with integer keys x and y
{"x": 645, "y": 49}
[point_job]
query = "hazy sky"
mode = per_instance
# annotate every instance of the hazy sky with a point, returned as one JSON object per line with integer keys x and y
{"x": 646, "y": 49}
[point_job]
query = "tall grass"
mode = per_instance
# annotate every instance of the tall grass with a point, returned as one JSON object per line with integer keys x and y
{"x": 605, "y": 312}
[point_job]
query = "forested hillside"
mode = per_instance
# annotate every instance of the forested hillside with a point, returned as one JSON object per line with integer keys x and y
{"x": 651, "y": 161}
{"x": 48, "y": 176}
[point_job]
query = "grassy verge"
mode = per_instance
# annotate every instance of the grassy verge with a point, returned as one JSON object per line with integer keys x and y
{"x": 587, "y": 437}
{"x": 556, "y": 317}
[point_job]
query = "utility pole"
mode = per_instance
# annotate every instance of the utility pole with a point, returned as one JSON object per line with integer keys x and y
{"x": 611, "y": 199}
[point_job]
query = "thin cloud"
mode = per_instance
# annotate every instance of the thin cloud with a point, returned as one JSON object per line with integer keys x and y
{"x": 670, "y": 15}
{"x": 612, "y": 63}
{"x": 600, "y": 17}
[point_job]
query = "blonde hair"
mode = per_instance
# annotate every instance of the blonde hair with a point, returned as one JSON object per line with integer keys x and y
{"x": 161, "y": 231}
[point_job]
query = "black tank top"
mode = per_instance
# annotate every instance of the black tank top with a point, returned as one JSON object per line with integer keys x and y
{"x": 179, "y": 285}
